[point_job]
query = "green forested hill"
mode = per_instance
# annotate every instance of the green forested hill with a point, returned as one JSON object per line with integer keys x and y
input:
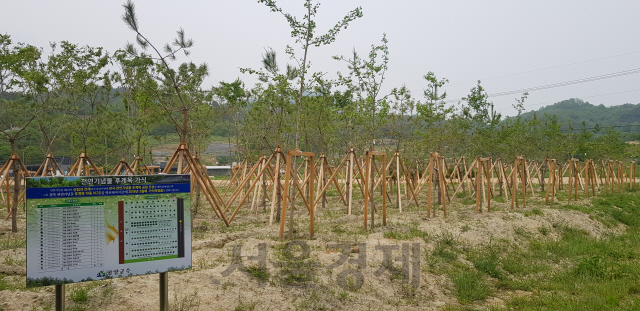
{"x": 625, "y": 118}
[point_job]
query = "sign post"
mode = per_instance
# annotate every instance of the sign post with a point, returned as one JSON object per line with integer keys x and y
{"x": 60, "y": 297}
{"x": 164, "y": 291}
{"x": 93, "y": 228}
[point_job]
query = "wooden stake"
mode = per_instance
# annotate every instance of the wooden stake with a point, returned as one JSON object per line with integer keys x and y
{"x": 350, "y": 180}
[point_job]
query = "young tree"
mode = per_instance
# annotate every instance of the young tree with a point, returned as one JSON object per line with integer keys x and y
{"x": 483, "y": 118}
{"x": 17, "y": 62}
{"x": 320, "y": 122}
{"x": 20, "y": 70}
{"x": 179, "y": 92}
{"x": 554, "y": 142}
{"x": 303, "y": 30}
{"x": 480, "y": 109}
{"x": 401, "y": 120}
{"x": 366, "y": 78}
{"x": 434, "y": 112}
{"x": 81, "y": 86}
{"x": 232, "y": 98}
{"x": 273, "y": 98}
{"x": 137, "y": 87}
{"x": 348, "y": 117}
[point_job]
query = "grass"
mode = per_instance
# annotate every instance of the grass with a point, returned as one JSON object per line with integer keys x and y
{"x": 295, "y": 270}
{"x": 519, "y": 264}
{"x": 468, "y": 200}
{"x": 13, "y": 241}
{"x": 577, "y": 271}
{"x": 227, "y": 284}
{"x": 487, "y": 263}
{"x": 534, "y": 211}
{"x": 409, "y": 234}
{"x": 543, "y": 230}
{"x": 185, "y": 301}
{"x": 14, "y": 261}
{"x": 470, "y": 286}
{"x": 591, "y": 274}
{"x": 596, "y": 267}
{"x": 498, "y": 199}
{"x": 246, "y": 306}
{"x": 444, "y": 247}
{"x": 79, "y": 295}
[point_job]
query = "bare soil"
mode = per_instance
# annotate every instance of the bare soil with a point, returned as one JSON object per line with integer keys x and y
{"x": 205, "y": 288}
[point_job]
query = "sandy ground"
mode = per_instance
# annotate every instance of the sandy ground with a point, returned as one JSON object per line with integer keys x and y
{"x": 204, "y": 287}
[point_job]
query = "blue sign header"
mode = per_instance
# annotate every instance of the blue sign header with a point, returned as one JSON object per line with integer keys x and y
{"x": 113, "y": 190}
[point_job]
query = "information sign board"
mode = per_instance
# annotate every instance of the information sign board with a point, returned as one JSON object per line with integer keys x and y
{"x": 93, "y": 228}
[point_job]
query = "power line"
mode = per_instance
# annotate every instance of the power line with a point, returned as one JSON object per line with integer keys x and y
{"x": 547, "y": 68}
{"x": 574, "y": 129}
{"x": 599, "y": 128}
{"x": 553, "y": 102}
{"x": 559, "y": 84}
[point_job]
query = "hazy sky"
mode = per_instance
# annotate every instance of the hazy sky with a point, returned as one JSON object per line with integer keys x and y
{"x": 509, "y": 45}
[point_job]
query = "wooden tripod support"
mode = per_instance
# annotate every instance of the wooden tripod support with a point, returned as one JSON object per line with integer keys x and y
{"x": 483, "y": 173}
{"x": 287, "y": 176}
{"x": 369, "y": 187}
{"x": 573, "y": 178}
{"x": 609, "y": 177}
{"x": 185, "y": 162}
{"x": 122, "y": 168}
{"x": 551, "y": 185}
{"x": 324, "y": 182}
{"x": 620, "y": 171}
{"x": 590, "y": 177}
{"x": 519, "y": 167}
{"x": 49, "y": 167}
{"x": 410, "y": 184}
{"x": 466, "y": 178}
{"x": 632, "y": 175}
{"x": 138, "y": 166}
{"x": 83, "y": 166}
{"x": 18, "y": 168}
{"x": 436, "y": 166}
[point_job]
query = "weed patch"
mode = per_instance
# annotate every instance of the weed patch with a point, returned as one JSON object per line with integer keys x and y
{"x": 260, "y": 273}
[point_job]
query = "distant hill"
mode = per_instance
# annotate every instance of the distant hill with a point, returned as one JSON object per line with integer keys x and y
{"x": 625, "y": 118}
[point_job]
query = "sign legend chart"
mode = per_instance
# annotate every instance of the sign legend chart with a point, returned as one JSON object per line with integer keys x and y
{"x": 151, "y": 229}
{"x": 71, "y": 236}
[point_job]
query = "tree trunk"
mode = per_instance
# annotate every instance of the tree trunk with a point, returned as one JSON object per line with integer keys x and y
{"x": 372, "y": 181}
{"x": 542, "y": 173}
{"x": 279, "y": 194}
{"x": 16, "y": 196}
{"x": 264, "y": 189}
{"x": 197, "y": 203}
{"x": 438, "y": 185}
{"x": 292, "y": 195}
{"x": 349, "y": 182}
{"x": 324, "y": 182}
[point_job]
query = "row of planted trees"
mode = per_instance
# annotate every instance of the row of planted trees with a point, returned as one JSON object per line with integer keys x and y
{"x": 122, "y": 103}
